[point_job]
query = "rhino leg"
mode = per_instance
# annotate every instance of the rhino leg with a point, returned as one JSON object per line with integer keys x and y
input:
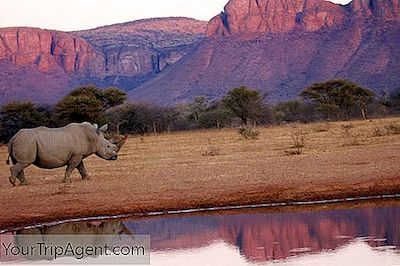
{"x": 22, "y": 179}
{"x": 82, "y": 171}
{"x": 72, "y": 164}
{"x": 16, "y": 171}
{"x": 12, "y": 180}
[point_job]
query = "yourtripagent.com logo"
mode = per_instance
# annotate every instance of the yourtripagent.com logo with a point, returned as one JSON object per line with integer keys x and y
{"x": 75, "y": 249}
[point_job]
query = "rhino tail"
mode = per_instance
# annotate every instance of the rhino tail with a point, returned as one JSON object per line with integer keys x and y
{"x": 10, "y": 144}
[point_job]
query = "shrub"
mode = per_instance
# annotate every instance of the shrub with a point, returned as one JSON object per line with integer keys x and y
{"x": 248, "y": 131}
{"x": 298, "y": 140}
{"x": 393, "y": 128}
{"x": 212, "y": 150}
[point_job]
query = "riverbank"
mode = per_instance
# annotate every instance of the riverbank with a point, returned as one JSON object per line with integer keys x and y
{"x": 175, "y": 171}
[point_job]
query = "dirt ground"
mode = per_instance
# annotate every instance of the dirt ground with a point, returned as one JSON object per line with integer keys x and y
{"x": 175, "y": 171}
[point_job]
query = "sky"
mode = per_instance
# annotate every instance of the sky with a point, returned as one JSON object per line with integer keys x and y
{"x": 68, "y": 15}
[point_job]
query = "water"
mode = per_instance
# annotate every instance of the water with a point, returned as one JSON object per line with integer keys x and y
{"x": 365, "y": 236}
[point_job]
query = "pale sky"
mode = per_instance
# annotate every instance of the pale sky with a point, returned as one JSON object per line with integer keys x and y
{"x": 68, "y": 15}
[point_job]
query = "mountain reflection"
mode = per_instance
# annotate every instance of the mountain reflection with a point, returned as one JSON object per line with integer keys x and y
{"x": 272, "y": 236}
{"x": 259, "y": 236}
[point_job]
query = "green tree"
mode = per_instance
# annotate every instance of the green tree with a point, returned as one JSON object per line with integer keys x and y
{"x": 112, "y": 97}
{"x": 78, "y": 109}
{"x": 338, "y": 97}
{"x": 289, "y": 111}
{"x": 17, "y": 115}
{"x": 87, "y": 104}
{"x": 247, "y": 104}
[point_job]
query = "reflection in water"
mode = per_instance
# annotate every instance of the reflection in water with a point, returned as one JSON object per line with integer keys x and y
{"x": 265, "y": 236}
{"x": 296, "y": 238}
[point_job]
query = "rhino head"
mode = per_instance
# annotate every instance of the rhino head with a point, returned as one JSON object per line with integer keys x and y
{"x": 106, "y": 149}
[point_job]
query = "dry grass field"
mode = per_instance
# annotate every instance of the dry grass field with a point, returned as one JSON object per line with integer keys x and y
{"x": 215, "y": 168}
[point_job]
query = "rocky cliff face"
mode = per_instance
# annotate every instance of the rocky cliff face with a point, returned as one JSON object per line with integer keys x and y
{"x": 146, "y": 46}
{"x": 282, "y": 46}
{"x": 43, "y": 65}
{"x": 262, "y": 16}
{"x": 386, "y": 10}
{"x": 50, "y": 51}
{"x": 278, "y": 16}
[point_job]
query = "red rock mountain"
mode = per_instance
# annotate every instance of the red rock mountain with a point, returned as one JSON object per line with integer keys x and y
{"x": 43, "y": 65}
{"x": 280, "y": 16}
{"x": 38, "y": 64}
{"x": 276, "y": 16}
{"x": 277, "y": 46}
{"x": 281, "y": 46}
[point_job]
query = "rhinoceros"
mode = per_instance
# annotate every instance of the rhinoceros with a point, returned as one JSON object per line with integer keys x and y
{"x": 51, "y": 148}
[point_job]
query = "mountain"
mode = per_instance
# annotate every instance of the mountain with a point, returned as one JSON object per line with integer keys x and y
{"x": 135, "y": 51}
{"x": 43, "y": 65}
{"x": 39, "y": 64}
{"x": 277, "y": 46}
{"x": 281, "y": 46}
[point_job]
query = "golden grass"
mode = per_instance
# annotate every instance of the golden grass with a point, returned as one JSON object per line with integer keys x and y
{"x": 171, "y": 171}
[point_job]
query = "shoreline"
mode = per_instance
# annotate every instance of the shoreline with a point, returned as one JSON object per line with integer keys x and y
{"x": 363, "y": 192}
{"x": 269, "y": 207}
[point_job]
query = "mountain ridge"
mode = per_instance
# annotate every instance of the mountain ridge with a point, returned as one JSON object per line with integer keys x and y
{"x": 281, "y": 61}
{"x": 276, "y": 46}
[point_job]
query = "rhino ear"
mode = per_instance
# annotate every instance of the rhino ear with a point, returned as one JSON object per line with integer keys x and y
{"x": 103, "y": 128}
{"x": 96, "y": 126}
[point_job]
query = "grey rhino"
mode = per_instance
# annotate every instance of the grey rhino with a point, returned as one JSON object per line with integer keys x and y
{"x": 51, "y": 148}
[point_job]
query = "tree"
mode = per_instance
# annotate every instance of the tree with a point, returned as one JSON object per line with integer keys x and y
{"x": 87, "y": 104}
{"x": 78, "y": 109}
{"x": 215, "y": 116}
{"x": 338, "y": 97}
{"x": 206, "y": 114}
{"x": 245, "y": 103}
{"x": 112, "y": 97}
{"x": 289, "y": 111}
{"x": 141, "y": 118}
{"x": 17, "y": 115}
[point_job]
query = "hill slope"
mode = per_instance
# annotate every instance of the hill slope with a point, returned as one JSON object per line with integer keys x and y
{"x": 282, "y": 46}
{"x": 142, "y": 48}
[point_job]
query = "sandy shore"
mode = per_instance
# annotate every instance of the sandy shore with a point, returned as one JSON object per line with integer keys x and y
{"x": 171, "y": 172}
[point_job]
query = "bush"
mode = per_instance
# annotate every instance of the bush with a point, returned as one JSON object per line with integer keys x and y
{"x": 248, "y": 131}
{"x": 393, "y": 128}
{"x": 298, "y": 140}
